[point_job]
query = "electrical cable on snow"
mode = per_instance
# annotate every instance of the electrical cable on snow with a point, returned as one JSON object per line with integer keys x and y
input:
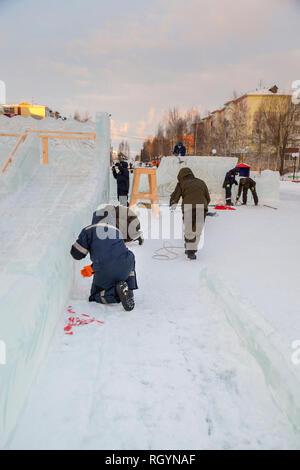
{"x": 169, "y": 254}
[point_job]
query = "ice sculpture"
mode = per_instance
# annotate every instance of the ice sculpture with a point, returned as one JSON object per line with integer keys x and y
{"x": 211, "y": 169}
{"x": 268, "y": 187}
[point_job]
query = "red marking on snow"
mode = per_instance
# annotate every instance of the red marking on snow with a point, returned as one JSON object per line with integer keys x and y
{"x": 225, "y": 208}
{"x": 77, "y": 320}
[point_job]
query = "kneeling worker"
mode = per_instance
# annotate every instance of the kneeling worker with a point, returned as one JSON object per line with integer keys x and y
{"x": 113, "y": 264}
{"x": 195, "y": 200}
{"x": 245, "y": 184}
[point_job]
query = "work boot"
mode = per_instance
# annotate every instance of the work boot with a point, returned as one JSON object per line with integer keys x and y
{"x": 125, "y": 295}
{"x": 191, "y": 255}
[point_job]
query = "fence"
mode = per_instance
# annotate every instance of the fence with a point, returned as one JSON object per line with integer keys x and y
{"x": 45, "y": 136}
{"x": 269, "y": 162}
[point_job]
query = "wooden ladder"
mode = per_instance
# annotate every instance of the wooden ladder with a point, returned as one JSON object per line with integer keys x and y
{"x": 151, "y": 196}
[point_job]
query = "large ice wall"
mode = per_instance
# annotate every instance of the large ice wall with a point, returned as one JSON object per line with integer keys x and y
{"x": 263, "y": 342}
{"x": 18, "y": 125}
{"x": 20, "y": 170}
{"x": 268, "y": 187}
{"x": 211, "y": 169}
{"x": 39, "y": 221}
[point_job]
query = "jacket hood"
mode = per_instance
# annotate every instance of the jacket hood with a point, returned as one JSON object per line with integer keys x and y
{"x": 179, "y": 144}
{"x": 184, "y": 172}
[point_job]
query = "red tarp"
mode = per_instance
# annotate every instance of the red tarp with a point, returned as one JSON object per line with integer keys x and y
{"x": 225, "y": 208}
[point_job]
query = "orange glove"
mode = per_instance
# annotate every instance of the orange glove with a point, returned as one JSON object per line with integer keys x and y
{"x": 87, "y": 271}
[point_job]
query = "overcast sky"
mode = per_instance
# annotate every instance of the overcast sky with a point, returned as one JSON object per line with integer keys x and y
{"x": 136, "y": 58}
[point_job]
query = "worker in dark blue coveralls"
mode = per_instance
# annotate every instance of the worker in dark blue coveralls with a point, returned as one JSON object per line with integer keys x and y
{"x": 113, "y": 264}
{"x": 230, "y": 180}
{"x": 121, "y": 174}
{"x": 179, "y": 150}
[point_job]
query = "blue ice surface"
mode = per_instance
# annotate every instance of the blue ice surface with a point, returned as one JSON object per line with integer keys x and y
{"x": 42, "y": 210}
{"x": 264, "y": 343}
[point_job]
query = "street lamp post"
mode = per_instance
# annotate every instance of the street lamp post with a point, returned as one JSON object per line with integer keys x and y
{"x": 295, "y": 156}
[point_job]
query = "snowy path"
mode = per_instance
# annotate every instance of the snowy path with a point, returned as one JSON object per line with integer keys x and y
{"x": 171, "y": 374}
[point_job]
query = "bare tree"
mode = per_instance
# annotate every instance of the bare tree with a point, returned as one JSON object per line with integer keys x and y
{"x": 76, "y": 116}
{"x": 219, "y": 135}
{"x": 127, "y": 150}
{"x": 280, "y": 121}
{"x": 174, "y": 127}
{"x": 237, "y": 129}
{"x": 147, "y": 151}
{"x": 124, "y": 149}
{"x": 85, "y": 118}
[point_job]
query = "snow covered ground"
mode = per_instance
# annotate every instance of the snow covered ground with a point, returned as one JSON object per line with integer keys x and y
{"x": 205, "y": 359}
{"x": 256, "y": 250}
{"x": 175, "y": 373}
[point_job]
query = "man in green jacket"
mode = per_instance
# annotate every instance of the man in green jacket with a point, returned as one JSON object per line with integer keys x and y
{"x": 245, "y": 185}
{"x": 195, "y": 200}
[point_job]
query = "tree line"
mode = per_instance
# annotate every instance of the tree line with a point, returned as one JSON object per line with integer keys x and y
{"x": 273, "y": 128}
{"x": 174, "y": 127}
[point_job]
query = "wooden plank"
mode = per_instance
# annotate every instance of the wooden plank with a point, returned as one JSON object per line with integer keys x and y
{"x": 45, "y": 150}
{"x": 10, "y": 158}
{"x": 10, "y": 135}
{"x": 66, "y": 137}
{"x": 61, "y": 132}
{"x": 145, "y": 171}
{"x": 152, "y": 195}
